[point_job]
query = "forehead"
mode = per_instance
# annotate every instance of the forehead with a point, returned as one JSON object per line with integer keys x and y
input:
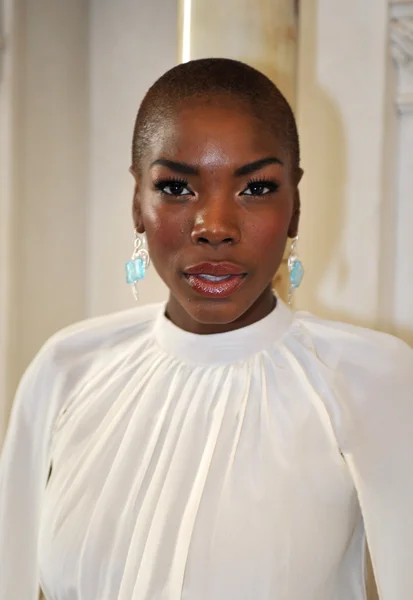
{"x": 220, "y": 130}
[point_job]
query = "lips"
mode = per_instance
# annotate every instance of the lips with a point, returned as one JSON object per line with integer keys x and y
{"x": 215, "y": 280}
{"x": 215, "y": 268}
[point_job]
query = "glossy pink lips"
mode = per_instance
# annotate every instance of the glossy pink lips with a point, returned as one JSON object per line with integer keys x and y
{"x": 215, "y": 280}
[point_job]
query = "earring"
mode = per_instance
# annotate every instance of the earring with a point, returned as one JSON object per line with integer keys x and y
{"x": 295, "y": 270}
{"x": 137, "y": 265}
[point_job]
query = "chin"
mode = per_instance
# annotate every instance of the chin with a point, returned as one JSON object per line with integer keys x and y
{"x": 202, "y": 314}
{"x": 216, "y": 312}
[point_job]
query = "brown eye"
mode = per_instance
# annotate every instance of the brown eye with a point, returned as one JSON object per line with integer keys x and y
{"x": 173, "y": 188}
{"x": 260, "y": 188}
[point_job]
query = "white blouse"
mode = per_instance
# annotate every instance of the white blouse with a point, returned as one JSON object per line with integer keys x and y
{"x": 236, "y": 466}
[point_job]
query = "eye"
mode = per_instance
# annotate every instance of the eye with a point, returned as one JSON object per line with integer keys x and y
{"x": 260, "y": 188}
{"x": 173, "y": 187}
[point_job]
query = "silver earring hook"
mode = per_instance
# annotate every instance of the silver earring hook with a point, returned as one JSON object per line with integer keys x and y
{"x": 136, "y": 267}
{"x": 295, "y": 269}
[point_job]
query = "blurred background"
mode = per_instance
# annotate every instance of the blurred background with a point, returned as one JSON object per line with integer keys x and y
{"x": 72, "y": 74}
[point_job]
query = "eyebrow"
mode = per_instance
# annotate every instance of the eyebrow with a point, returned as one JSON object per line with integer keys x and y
{"x": 178, "y": 167}
{"x": 186, "y": 169}
{"x": 257, "y": 165}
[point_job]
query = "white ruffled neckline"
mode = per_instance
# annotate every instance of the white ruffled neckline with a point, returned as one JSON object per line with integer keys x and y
{"x": 222, "y": 348}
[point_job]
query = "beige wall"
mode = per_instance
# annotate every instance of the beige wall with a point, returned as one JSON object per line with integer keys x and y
{"x": 348, "y": 125}
{"x": 355, "y": 114}
{"x": 401, "y": 301}
{"x": 44, "y": 191}
{"x": 6, "y": 110}
{"x": 341, "y": 112}
{"x": 131, "y": 44}
{"x": 79, "y": 72}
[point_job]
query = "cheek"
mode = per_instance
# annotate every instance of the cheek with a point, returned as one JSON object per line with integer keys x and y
{"x": 165, "y": 228}
{"x": 268, "y": 234}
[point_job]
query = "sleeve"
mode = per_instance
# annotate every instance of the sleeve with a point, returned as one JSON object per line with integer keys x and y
{"x": 24, "y": 465}
{"x": 380, "y": 458}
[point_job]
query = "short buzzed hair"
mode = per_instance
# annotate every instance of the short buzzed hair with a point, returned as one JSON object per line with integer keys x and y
{"x": 207, "y": 78}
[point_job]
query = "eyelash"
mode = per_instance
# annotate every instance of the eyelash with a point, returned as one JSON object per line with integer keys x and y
{"x": 162, "y": 183}
{"x": 269, "y": 183}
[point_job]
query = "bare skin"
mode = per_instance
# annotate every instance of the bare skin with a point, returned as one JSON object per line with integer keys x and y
{"x": 216, "y": 185}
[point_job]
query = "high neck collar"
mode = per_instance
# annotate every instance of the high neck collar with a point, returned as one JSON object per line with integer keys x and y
{"x": 222, "y": 348}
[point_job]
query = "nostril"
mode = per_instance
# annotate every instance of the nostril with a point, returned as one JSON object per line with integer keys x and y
{"x": 211, "y": 242}
{"x": 203, "y": 240}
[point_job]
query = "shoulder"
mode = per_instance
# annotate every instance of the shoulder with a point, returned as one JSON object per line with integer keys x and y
{"x": 70, "y": 354}
{"x": 108, "y": 331}
{"x": 369, "y": 377}
{"x": 342, "y": 345}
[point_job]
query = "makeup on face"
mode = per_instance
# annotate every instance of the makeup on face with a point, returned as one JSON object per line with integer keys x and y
{"x": 215, "y": 279}
{"x": 216, "y": 203}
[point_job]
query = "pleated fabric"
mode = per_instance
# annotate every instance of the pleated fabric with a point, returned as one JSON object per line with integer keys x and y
{"x": 239, "y": 466}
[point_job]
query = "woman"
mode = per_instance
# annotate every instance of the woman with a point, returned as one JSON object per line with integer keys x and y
{"x": 219, "y": 446}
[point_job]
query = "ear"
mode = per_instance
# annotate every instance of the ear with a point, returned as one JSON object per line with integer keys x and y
{"x": 295, "y": 218}
{"x": 136, "y": 203}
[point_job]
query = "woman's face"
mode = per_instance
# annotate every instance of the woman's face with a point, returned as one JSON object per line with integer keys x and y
{"x": 217, "y": 200}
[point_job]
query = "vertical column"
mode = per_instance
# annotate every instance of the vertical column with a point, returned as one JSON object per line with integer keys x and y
{"x": 43, "y": 183}
{"x": 262, "y": 34}
{"x": 51, "y": 162}
{"x": 402, "y": 49}
{"x": 122, "y": 40}
{"x": 6, "y": 115}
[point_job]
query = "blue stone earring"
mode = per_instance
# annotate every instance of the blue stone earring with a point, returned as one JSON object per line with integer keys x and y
{"x": 295, "y": 269}
{"x": 137, "y": 265}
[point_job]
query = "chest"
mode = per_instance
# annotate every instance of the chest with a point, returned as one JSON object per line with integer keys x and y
{"x": 158, "y": 485}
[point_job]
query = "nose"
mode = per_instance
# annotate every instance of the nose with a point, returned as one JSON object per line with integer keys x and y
{"x": 216, "y": 223}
